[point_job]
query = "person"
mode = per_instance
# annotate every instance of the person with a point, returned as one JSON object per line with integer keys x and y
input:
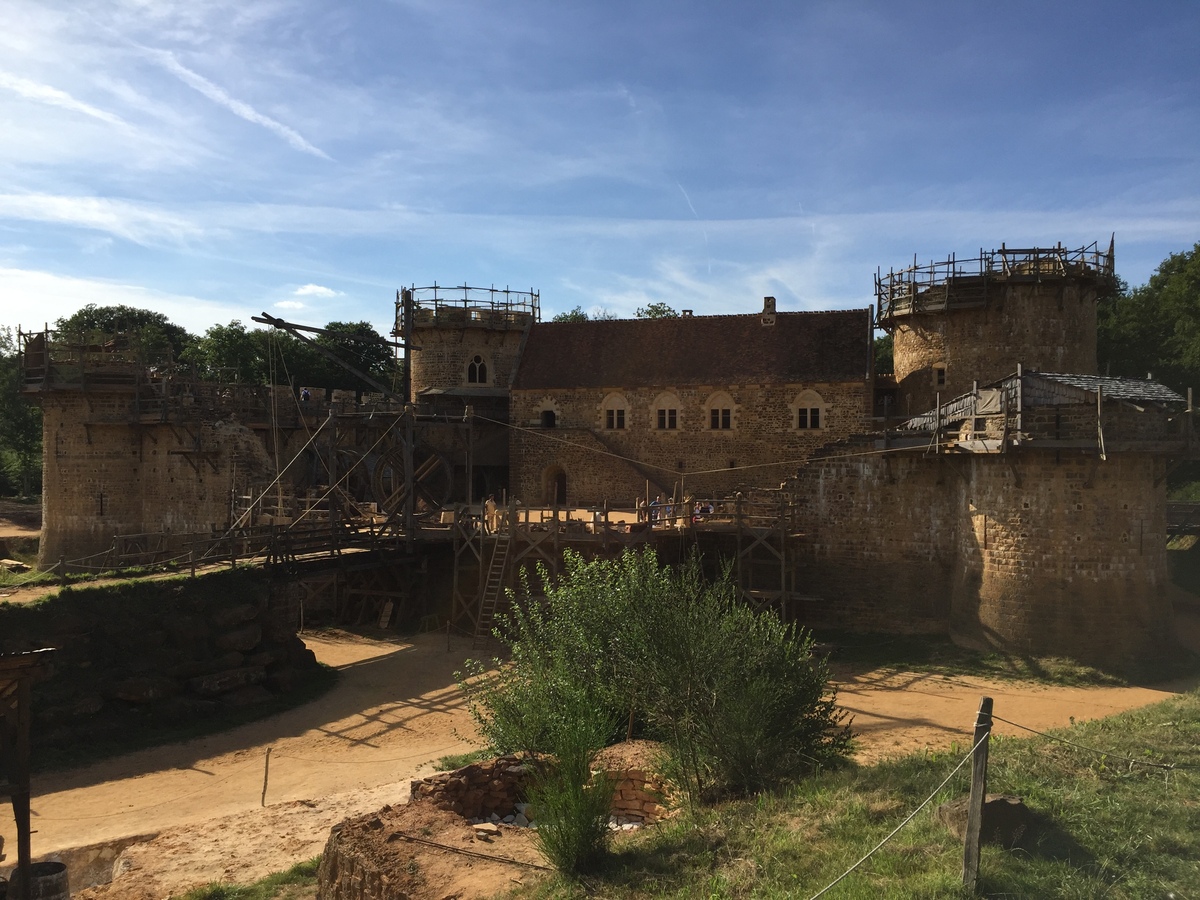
{"x": 640, "y": 505}
{"x": 491, "y": 517}
{"x": 305, "y": 395}
{"x": 654, "y": 505}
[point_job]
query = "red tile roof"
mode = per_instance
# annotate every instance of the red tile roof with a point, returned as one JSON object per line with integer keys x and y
{"x": 701, "y": 350}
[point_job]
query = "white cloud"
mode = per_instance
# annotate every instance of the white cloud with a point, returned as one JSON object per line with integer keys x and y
{"x": 314, "y": 290}
{"x": 138, "y": 222}
{"x": 237, "y": 107}
{"x": 289, "y": 304}
{"x": 44, "y": 93}
{"x": 50, "y": 296}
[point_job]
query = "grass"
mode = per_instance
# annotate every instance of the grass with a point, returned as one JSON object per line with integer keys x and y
{"x": 458, "y": 760}
{"x": 1104, "y": 828}
{"x": 297, "y": 883}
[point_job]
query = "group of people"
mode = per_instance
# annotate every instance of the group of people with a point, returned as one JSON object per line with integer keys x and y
{"x": 660, "y": 511}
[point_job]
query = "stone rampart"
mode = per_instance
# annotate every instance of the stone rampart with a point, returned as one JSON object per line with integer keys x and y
{"x": 1042, "y": 552}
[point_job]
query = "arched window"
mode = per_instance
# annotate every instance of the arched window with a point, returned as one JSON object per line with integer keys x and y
{"x": 808, "y": 411}
{"x": 721, "y": 411}
{"x": 614, "y": 413}
{"x": 664, "y": 412}
{"x": 477, "y": 370}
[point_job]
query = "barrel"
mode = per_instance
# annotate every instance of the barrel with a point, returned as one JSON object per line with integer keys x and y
{"x": 47, "y": 881}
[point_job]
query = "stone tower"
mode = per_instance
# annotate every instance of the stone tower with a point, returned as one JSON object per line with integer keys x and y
{"x": 960, "y": 321}
{"x": 465, "y": 341}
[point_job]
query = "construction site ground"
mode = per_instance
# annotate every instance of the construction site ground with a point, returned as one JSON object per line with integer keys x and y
{"x": 395, "y": 710}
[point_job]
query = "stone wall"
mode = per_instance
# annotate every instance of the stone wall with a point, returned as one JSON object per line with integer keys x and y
{"x": 1039, "y": 552}
{"x": 154, "y": 654}
{"x": 446, "y": 351}
{"x": 103, "y": 475}
{"x": 763, "y": 445}
{"x": 496, "y": 786}
{"x": 1048, "y": 326}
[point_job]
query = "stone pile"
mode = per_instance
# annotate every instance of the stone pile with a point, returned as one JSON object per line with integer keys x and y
{"x": 493, "y": 792}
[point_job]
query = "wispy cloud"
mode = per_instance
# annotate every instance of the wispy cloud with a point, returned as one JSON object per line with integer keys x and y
{"x": 49, "y": 296}
{"x": 137, "y": 222}
{"x": 314, "y": 290}
{"x": 289, "y": 304}
{"x": 52, "y": 96}
{"x": 239, "y": 108}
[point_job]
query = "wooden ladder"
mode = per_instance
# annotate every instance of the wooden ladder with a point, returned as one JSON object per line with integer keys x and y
{"x": 490, "y": 598}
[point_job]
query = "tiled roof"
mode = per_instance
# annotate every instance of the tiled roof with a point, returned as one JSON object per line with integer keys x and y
{"x": 700, "y": 350}
{"x": 1133, "y": 389}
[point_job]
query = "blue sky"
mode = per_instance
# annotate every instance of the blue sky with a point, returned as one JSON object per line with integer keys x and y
{"x": 212, "y": 159}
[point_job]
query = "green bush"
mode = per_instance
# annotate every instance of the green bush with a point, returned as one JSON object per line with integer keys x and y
{"x": 737, "y": 695}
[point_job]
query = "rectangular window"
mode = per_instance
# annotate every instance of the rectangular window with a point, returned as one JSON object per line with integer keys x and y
{"x": 720, "y": 419}
{"x": 808, "y": 417}
{"x": 667, "y": 420}
{"x": 939, "y": 376}
{"x": 614, "y": 419}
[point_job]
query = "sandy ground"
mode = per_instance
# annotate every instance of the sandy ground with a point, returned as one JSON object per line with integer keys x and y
{"x": 394, "y": 711}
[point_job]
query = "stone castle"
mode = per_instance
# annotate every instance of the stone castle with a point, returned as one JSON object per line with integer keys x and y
{"x": 997, "y": 488}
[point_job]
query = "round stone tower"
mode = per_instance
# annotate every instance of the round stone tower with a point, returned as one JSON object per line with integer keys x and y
{"x": 960, "y": 321}
{"x": 465, "y": 342}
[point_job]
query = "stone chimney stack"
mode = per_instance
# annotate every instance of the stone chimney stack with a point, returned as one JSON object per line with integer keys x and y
{"x": 768, "y": 313}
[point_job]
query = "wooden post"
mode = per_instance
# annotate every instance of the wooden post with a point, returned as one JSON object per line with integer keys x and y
{"x": 266, "y": 774}
{"x": 62, "y": 570}
{"x": 979, "y": 761}
{"x": 192, "y": 561}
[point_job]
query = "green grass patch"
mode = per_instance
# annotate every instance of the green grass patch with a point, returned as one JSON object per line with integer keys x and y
{"x": 458, "y": 760}
{"x": 1103, "y": 827}
{"x": 297, "y": 883}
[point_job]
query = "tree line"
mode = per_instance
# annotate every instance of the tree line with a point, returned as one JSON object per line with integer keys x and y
{"x": 229, "y": 353}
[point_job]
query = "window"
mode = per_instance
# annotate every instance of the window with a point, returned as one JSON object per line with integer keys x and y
{"x": 809, "y": 411}
{"x": 613, "y": 412}
{"x": 668, "y": 419}
{"x": 939, "y": 376}
{"x": 477, "y": 372}
{"x": 721, "y": 411}
{"x": 720, "y": 419}
{"x": 549, "y": 418}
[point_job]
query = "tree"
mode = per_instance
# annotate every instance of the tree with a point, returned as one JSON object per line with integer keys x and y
{"x": 884, "y": 364}
{"x": 1155, "y": 328}
{"x": 20, "y": 426}
{"x": 230, "y": 353}
{"x": 359, "y": 344}
{"x": 149, "y": 330}
{"x": 572, "y": 315}
{"x": 578, "y": 315}
{"x": 656, "y": 311}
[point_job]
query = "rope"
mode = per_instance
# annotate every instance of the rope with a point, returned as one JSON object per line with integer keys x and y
{"x": 538, "y": 432}
{"x": 1136, "y": 762}
{"x": 911, "y": 816}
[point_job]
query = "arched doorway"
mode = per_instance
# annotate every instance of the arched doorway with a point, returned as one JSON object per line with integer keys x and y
{"x": 554, "y": 486}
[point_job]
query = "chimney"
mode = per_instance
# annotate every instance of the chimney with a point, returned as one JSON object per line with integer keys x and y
{"x": 768, "y": 313}
{"x": 687, "y": 313}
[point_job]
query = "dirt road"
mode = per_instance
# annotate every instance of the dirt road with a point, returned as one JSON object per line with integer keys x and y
{"x": 394, "y": 711}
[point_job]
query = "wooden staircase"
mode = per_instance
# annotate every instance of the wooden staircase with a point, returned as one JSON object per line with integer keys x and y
{"x": 493, "y": 585}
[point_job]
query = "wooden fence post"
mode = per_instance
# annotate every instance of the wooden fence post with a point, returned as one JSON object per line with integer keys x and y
{"x": 979, "y": 761}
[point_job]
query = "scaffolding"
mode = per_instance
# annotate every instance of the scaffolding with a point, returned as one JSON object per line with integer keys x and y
{"x": 954, "y": 283}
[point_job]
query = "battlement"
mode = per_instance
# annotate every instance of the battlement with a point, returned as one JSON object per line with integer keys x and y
{"x": 954, "y": 283}
{"x": 466, "y": 307}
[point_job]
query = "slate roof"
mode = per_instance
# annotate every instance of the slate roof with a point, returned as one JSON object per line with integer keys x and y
{"x": 697, "y": 350}
{"x": 1132, "y": 389}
